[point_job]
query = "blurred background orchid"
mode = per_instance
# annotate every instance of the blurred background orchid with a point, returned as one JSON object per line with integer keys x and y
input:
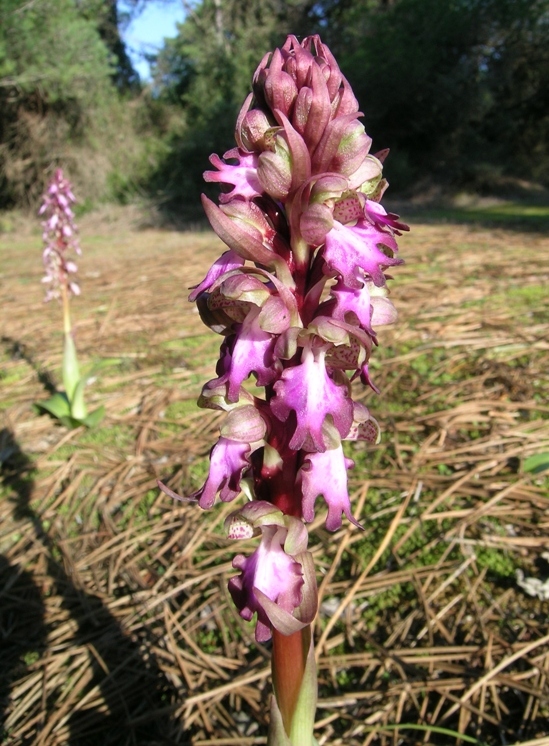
{"x": 60, "y": 238}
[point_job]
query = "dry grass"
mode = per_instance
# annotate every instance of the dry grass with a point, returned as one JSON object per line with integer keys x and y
{"x": 116, "y": 626}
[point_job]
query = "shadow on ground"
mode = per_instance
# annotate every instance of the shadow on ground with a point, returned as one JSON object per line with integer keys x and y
{"x": 136, "y": 698}
{"x": 22, "y": 630}
{"x": 19, "y": 351}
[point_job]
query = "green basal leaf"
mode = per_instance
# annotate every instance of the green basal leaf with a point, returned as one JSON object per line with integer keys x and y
{"x": 58, "y": 406}
{"x": 78, "y": 406}
{"x": 536, "y": 464}
{"x": 70, "y": 423}
{"x": 94, "y": 418}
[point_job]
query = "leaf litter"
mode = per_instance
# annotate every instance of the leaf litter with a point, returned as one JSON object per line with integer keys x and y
{"x": 116, "y": 625}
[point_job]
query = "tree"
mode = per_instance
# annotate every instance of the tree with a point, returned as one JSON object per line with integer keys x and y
{"x": 206, "y": 71}
{"x": 47, "y": 46}
{"x": 53, "y": 70}
{"x": 450, "y": 85}
{"x": 64, "y": 74}
{"x": 109, "y": 20}
{"x": 517, "y": 76}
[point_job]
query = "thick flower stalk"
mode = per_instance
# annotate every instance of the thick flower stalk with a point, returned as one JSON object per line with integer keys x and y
{"x": 297, "y": 297}
{"x": 60, "y": 237}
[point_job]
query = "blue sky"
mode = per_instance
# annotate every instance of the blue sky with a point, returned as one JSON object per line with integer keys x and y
{"x": 145, "y": 34}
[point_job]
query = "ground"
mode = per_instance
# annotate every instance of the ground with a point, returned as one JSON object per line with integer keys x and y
{"x": 115, "y": 622}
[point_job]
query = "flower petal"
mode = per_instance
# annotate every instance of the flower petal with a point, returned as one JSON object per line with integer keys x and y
{"x": 228, "y": 261}
{"x": 308, "y": 390}
{"x": 252, "y": 352}
{"x": 243, "y": 175}
{"x": 352, "y": 248}
{"x": 270, "y": 584}
{"x": 228, "y": 461}
{"x": 326, "y": 474}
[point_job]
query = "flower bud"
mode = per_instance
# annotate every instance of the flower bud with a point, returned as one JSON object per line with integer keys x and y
{"x": 280, "y": 91}
{"x": 315, "y": 223}
{"x": 244, "y": 424}
{"x": 274, "y": 170}
{"x": 243, "y": 227}
{"x": 254, "y": 130}
{"x": 343, "y": 146}
{"x": 312, "y": 110}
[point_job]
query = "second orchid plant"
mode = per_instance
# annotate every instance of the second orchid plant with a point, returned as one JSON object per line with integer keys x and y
{"x": 60, "y": 240}
{"x": 297, "y": 298}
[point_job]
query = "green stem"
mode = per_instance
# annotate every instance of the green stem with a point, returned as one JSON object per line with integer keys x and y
{"x": 66, "y": 309}
{"x": 288, "y": 665}
{"x": 74, "y": 385}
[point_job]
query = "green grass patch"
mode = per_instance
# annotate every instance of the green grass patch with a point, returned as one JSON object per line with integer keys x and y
{"x": 137, "y": 511}
{"x": 119, "y": 437}
{"x": 505, "y": 215}
{"x": 12, "y": 372}
{"x": 177, "y": 414}
{"x": 194, "y": 352}
{"x": 498, "y": 562}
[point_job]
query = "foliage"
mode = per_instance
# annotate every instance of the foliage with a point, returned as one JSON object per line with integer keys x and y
{"x": 47, "y": 47}
{"x": 459, "y": 89}
{"x": 59, "y": 101}
{"x": 206, "y": 71}
{"x": 54, "y": 71}
{"x": 110, "y": 21}
{"x": 450, "y": 85}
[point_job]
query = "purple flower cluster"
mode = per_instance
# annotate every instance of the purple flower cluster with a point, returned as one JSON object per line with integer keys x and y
{"x": 297, "y": 298}
{"x": 277, "y": 581}
{"x": 59, "y": 236}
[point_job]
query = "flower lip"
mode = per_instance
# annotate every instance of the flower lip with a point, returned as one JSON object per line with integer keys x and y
{"x": 349, "y": 249}
{"x": 229, "y": 459}
{"x": 326, "y": 474}
{"x": 277, "y": 581}
{"x": 308, "y": 390}
{"x": 243, "y": 175}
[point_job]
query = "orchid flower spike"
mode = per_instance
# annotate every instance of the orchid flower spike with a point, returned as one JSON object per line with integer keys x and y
{"x": 60, "y": 237}
{"x": 302, "y": 288}
{"x": 297, "y": 297}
